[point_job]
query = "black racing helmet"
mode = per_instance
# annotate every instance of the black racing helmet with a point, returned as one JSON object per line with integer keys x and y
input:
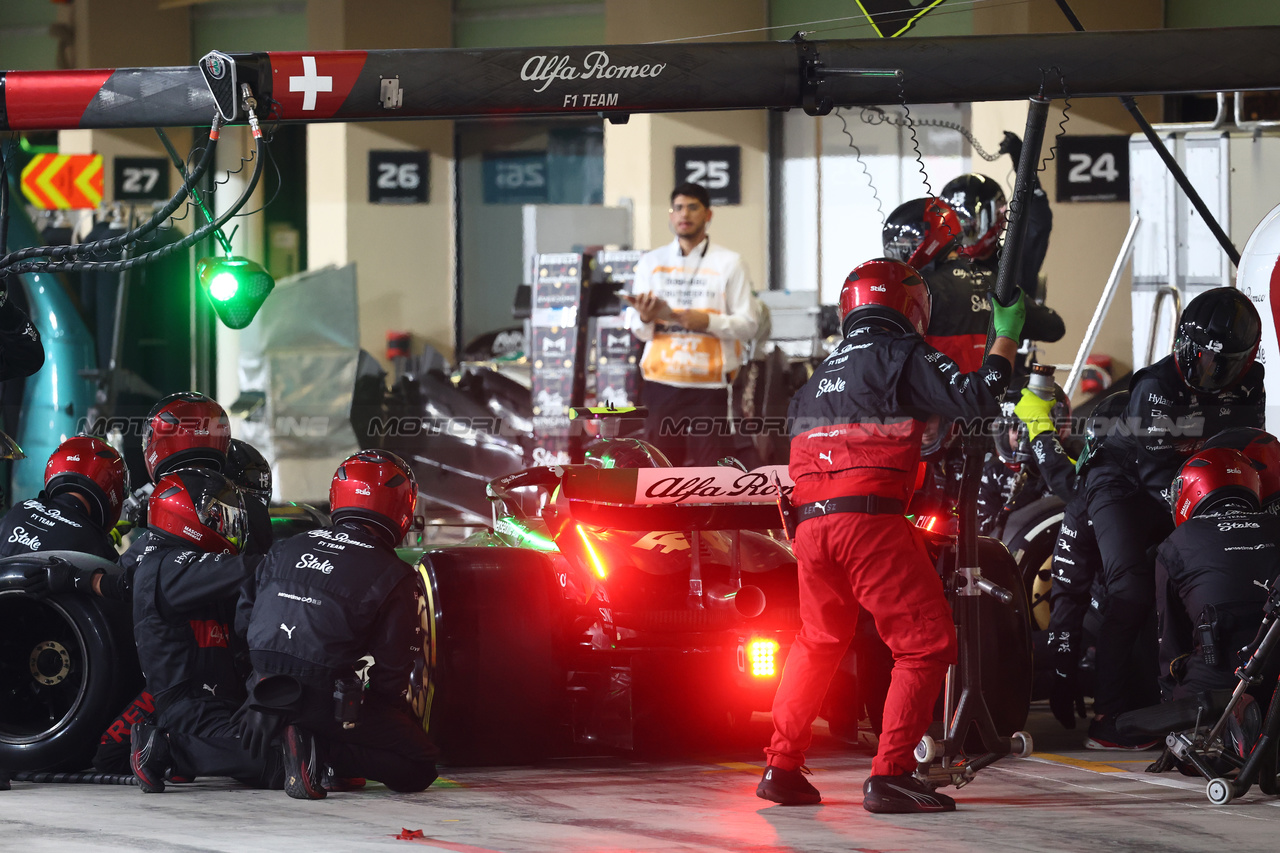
{"x": 920, "y": 231}
{"x": 248, "y": 469}
{"x": 981, "y": 205}
{"x": 1218, "y": 337}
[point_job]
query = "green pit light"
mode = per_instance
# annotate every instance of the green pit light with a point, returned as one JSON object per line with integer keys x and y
{"x": 236, "y": 288}
{"x": 223, "y": 286}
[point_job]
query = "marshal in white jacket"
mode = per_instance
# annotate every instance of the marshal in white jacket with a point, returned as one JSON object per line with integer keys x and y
{"x": 711, "y": 279}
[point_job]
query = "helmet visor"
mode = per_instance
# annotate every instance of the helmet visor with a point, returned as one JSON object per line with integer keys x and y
{"x": 228, "y": 519}
{"x": 1209, "y": 372}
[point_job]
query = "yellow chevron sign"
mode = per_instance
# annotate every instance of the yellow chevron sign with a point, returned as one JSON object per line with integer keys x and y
{"x": 63, "y": 181}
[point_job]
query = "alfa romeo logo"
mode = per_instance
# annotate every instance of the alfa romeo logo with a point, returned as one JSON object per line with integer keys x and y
{"x": 217, "y": 68}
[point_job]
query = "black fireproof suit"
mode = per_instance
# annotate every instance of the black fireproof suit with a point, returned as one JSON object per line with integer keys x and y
{"x": 184, "y": 605}
{"x": 53, "y": 524}
{"x": 1205, "y": 572}
{"x": 1166, "y": 422}
{"x": 324, "y": 599}
{"x": 21, "y": 351}
{"x": 1077, "y": 563}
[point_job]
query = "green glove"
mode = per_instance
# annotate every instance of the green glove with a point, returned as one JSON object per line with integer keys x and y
{"x": 1008, "y": 320}
{"x": 1033, "y": 410}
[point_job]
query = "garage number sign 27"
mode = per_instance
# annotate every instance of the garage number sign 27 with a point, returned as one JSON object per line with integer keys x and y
{"x": 717, "y": 168}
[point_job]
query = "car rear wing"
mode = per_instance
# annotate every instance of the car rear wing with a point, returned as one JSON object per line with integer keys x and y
{"x": 718, "y": 498}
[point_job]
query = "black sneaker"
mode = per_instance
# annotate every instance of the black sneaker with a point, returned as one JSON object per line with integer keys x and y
{"x": 1103, "y": 734}
{"x": 149, "y": 756}
{"x": 302, "y": 768}
{"x": 787, "y": 787}
{"x": 903, "y": 794}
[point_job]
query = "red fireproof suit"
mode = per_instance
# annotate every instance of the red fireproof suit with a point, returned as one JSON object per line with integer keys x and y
{"x": 856, "y": 429}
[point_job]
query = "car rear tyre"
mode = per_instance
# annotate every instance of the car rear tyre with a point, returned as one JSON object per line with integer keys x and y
{"x": 496, "y": 683}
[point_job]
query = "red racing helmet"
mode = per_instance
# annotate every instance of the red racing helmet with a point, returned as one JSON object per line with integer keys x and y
{"x": 888, "y": 290}
{"x": 201, "y": 506}
{"x": 185, "y": 429}
{"x": 980, "y": 203}
{"x": 92, "y": 468}
{"x": 375, "y": 486}
{"x": 921, "y": 230}
{"x": 1211, "y": 477}
{"x": 1262, "y": 449}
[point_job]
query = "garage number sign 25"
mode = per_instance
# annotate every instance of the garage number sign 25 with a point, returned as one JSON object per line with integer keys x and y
{"x": 717, "y": 168}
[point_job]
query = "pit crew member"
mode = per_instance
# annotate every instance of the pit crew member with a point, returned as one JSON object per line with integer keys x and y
{"x": 1209, "y": 383}
{"x": 186, "y": 587}
{"x": 184, "y": 430}
{"x": 84, "y": 485}
{"x": 324, "y": 599}
{"x": 692, "y": 304}
{"x": 855, "y": 448}
{"x": 21, "y": 350}
{"x": 250, "y": 472}
{"x": 1207, "y": 574}
{"x": 1076, "y": 563}
{"x": 928, "y": 235}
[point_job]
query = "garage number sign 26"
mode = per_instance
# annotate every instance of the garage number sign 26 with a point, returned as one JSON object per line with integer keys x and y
{"x": 398, "y": 177}
{"x": 718, "y": 168}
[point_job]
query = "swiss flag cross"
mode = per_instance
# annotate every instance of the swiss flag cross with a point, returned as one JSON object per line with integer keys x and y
{"x": 311, "y": 85}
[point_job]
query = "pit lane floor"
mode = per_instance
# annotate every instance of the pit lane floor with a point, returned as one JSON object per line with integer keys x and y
{"x": 1064, "y": 798}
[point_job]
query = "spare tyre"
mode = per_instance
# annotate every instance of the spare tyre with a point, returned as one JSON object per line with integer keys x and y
{"x": 67, "y": 665}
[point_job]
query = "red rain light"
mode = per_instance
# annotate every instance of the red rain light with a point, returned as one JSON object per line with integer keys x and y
{"x": 762, "y": 656}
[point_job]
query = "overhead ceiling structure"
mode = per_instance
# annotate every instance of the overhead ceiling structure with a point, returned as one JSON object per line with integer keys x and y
{"x": 617, "y": 80}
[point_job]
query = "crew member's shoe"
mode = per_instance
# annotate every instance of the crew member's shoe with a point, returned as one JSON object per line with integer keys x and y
{"x": 149, "y": 756}
{"x": 903, "y": 794}
{"x": 1103, "y": 734}
{"x": 302, "y": 768}
{"x": 787, "y": 787}
{"x": 332, "y": 782}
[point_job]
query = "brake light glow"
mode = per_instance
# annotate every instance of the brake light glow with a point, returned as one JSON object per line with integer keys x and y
{"x": 762, "y": 655}
{"x": 593, "y": 557}
{"x": 930, "y": 523}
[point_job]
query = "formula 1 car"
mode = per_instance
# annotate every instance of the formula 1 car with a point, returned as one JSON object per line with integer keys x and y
{"x": 607, "y": 606}
{"x": 618, "y": 606}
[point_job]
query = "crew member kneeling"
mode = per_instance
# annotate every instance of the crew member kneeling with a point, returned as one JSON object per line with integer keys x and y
{"x": 1212, "y": 574}
{"x": 326, "y": 598}
{"x": 186, "y": 585}
{"x": 855, "y": 447}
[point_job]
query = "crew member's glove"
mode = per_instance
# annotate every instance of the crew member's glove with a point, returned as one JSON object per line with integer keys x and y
{"x": 1065, "y": 699}
{"x": 1033, "y": 410}
{"x": 258, "y": 729}
{"x": 60, "y": 577}
{"x": 1011, "y": 144}
{"x": 1008, "y": 319}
